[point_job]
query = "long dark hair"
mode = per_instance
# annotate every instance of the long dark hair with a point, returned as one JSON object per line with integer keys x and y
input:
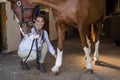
{"x": 43, "y": 16}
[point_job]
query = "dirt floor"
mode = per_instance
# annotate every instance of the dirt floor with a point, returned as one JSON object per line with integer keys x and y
{"x": 73, "y": 67}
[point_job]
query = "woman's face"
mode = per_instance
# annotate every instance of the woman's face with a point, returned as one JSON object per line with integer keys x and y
{"x": 39, "y": 23}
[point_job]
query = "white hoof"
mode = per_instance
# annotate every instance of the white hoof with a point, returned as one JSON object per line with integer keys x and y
{"x": 55, "y": 70}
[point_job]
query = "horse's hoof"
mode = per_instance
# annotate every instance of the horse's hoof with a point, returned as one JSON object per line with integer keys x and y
{"x": 89, "y": 71}
{"x": 55, "y": 72}
{"x": 97, "y": 62}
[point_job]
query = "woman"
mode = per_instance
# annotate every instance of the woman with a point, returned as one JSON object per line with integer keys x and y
{"x": 43, "y": 44}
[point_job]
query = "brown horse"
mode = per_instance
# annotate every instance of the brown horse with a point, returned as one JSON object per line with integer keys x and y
{"x": 23, "y": 11}
{"x": 80, "y": 14}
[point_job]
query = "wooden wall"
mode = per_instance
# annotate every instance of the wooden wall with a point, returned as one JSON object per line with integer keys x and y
{"x": 3, "y": 26}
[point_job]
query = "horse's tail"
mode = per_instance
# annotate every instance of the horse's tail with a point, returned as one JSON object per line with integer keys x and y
{"x": 93, "y": 33}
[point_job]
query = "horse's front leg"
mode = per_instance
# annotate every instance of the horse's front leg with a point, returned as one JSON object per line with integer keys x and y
{"x": 61, "y": 36}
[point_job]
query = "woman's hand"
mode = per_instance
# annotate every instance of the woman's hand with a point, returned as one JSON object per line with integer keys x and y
{"x": 55, "y": 55}
{"x": 36, "y": 36}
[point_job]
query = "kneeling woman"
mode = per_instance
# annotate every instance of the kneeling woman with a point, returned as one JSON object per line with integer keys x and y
{"x": 43, "y": 44}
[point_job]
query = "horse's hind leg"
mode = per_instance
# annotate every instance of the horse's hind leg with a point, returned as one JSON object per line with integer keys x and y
{"x": 96, "y": 53}
{"x": 83, "y": 31}
{"x": 98, "y": 27}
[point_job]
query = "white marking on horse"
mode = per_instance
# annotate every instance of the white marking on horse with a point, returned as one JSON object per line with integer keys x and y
{"x": 58, "y": 62}
{"x": 96, "y": 53}
{"x": 89, "y": 45}
{"x": 87, "y": 54}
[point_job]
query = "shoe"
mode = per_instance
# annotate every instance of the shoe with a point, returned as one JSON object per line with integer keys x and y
{"x": 41, "y": 68}
{"x": 24, "y": 66}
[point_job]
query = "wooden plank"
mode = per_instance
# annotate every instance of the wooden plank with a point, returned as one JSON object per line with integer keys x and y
{"x": 3, "y": 26}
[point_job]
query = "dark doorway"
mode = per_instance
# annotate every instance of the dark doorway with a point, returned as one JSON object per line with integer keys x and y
{"x": 111, "y": 6}
{"x": 72, "y": 32}
{"x": 46, "y": 20}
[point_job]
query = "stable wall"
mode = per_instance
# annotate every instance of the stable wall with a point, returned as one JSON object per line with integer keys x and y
{"x": 12, "y": 32}
{"x": 52, "y": 27}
